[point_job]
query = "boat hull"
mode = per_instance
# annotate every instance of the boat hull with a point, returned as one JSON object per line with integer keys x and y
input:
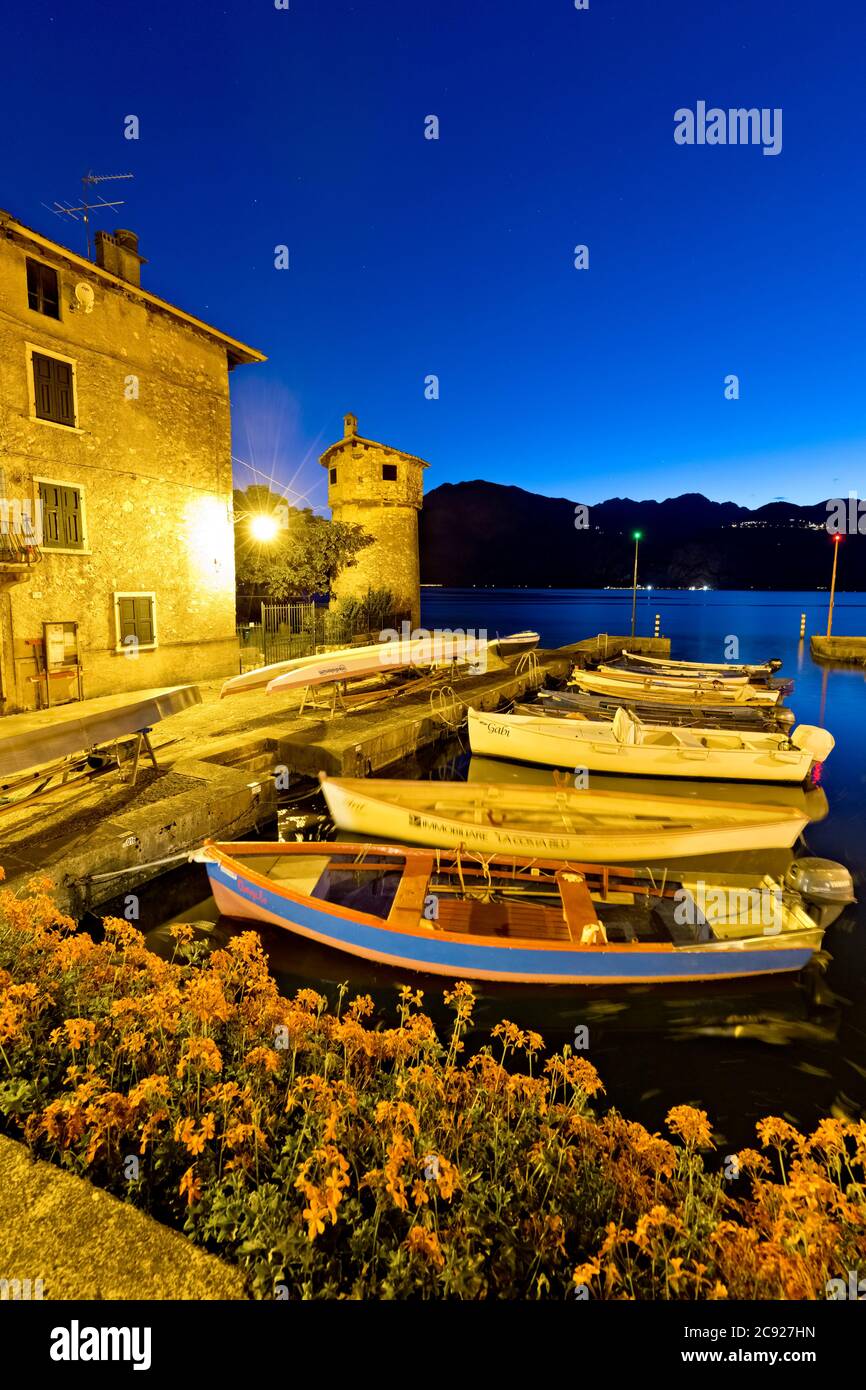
{"x": 652, "y": 688}
{"x": 548, "y": 742}
{"x": 603, "y": 707}
{"x": 459, "y": 957}
{"x": 361, "y": 813}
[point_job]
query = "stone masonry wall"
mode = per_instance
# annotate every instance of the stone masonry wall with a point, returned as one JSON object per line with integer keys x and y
{"x": 151, "y": 454}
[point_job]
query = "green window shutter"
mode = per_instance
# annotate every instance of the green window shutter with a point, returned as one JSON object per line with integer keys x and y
{"x": 71, "y": 504}
{"x": 49, "y": 496}
{"x": 144, "y": 620}
{"x": 62, "y": 527}
{"x": 63, "y": 393}
{"x": 52, "y": 388}
{"x": 42, "y": 381}
{"x": 126, "y": 607}
{"x": 135, "y": 619}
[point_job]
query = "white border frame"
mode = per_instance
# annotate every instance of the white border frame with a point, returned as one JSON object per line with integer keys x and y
{"x": 84, "y": 548}
{"x": 29, "y": 349}
{"x": 135, "y": 593}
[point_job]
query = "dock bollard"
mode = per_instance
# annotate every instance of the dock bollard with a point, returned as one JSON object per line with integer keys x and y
{"x": 802, "y": 624}
{"x": 658, "y": 623}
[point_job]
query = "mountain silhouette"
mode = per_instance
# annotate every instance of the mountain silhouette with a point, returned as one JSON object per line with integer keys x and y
{"x": 480, "y": 533}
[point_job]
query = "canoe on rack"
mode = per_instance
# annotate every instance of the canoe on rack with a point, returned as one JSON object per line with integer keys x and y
{"x": 625, "y": 745}
{"x": 527, "y": 922}
{"x": 640, "y": 687}
{"x": 582, "y": 705}
{"x": 354, "y": 663}
{"x": 559, "y": 823}
{"x": 437, "y": 648}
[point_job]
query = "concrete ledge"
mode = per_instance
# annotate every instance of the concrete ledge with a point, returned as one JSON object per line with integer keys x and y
{"x": 850, "y": 651}
{"x": 85, "y": 1244}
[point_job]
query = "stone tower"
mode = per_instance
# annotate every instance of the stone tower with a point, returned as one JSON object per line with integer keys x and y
{"x": 381, "y": 489}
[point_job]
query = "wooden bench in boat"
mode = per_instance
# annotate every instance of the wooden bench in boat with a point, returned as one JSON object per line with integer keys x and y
{"x": 529, "y": 921}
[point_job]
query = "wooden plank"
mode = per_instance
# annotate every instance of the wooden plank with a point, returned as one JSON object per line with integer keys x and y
{"x": 578, "y": 909}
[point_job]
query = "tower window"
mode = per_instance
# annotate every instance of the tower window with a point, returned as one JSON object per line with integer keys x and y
{"x": 333, "y": 475}
{"x": 389, "y": 472}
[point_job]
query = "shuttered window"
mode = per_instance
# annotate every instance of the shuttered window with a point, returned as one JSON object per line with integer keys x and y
{"x": 62, "y": 527}
{"x": 135, "y": 619}
{"x": 52, "y": 389}
{"x": 43, "y": 289}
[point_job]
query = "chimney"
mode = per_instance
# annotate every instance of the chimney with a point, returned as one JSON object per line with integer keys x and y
{"x": 350, "y": 426}
{"x": 118, "y": 254}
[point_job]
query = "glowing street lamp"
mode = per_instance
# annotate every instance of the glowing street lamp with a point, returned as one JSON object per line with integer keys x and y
{"x": 637, "y": 539}
{"x": 264, "y": 526}
{"x": 836, "y": 541}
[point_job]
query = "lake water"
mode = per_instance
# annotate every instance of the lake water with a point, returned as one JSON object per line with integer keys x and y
{"x": 789, "y": 1046}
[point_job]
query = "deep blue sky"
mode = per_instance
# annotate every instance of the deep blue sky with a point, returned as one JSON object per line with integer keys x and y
{"x": 410, "y": 256}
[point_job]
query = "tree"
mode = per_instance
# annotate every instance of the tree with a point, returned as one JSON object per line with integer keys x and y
{"x": 305, "y": 555}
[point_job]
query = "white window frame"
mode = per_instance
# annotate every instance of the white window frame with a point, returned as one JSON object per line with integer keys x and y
{"x": 29, "y": 349}
{"x": 84, "y": 549}
{"x": 135, "y": 593}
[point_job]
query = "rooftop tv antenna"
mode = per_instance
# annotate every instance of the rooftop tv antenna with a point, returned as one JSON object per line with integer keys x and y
{"x": 87, "y": 206}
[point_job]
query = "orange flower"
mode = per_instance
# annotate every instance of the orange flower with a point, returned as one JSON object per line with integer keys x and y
{"x": 190, "y": 1185}
{"x": 79, "y": 1031}
{"x": 264, "y": 1057}
{"x": 426, "y": 1244}
{"x": 692, "y": 1126}
{"x": 201, "y": 1053}
{"x": 774, "y": 1132}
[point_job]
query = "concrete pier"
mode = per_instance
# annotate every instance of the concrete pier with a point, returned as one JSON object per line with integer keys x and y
{"x": 846, "y": 651}
{"x": 221, "y": 763}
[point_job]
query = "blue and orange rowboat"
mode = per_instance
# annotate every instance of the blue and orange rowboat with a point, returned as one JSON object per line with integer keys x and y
{"x": 529, "y": 921}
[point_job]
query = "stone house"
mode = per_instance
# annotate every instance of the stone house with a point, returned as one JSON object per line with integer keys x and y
{"x": 115, "y": 477}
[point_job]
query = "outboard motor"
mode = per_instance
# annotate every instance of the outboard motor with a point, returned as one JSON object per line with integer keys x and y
{"x": 825, "y": 887}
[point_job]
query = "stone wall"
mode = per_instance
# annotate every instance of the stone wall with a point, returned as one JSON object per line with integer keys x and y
{"x": 151, "y": 455}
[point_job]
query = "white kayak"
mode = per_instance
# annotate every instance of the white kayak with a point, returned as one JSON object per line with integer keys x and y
{"x": 383, "y": 657}
{"x": 625, "y": 744}
{"x": 351, "y": 663}
{"x": 561, "y": 823}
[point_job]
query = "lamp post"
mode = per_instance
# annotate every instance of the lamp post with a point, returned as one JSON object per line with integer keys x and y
{"x": 836, "y": 541}
{"x": 636, "y": 537}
